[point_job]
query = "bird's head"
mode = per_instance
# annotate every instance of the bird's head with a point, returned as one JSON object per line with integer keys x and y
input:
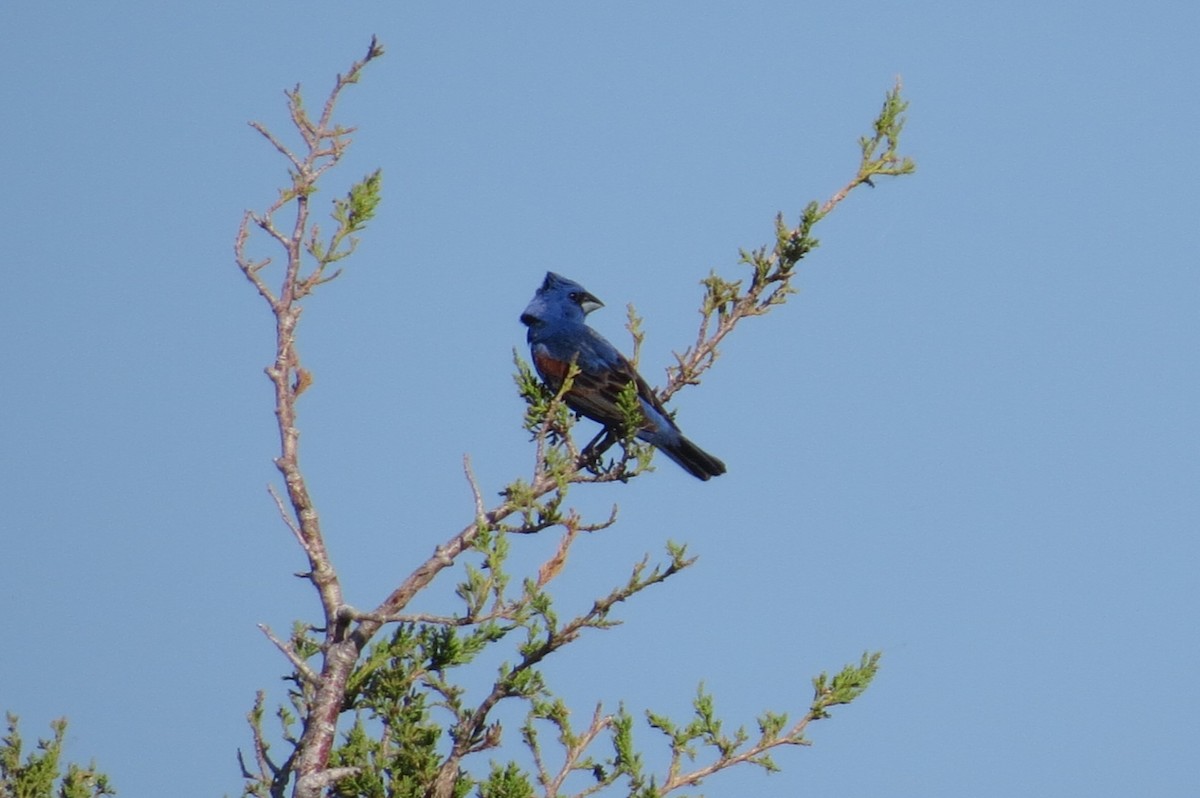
{"x": 559, "y": 299}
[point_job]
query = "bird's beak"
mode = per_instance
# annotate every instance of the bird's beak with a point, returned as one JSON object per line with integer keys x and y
{"x": 589, "y": 303}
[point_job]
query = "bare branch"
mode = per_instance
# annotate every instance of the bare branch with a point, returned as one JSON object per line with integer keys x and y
{"x": 283, "y": 513}
{"x": 324, "y": 145}
{"x": 600, "y": 723}
{"x": 317, "y": 782}
{"x": 677, "y": 779}
{"x": 476, "y": 494}
{"x": 277, "y": 144}
{"x": 773, "y": 268}
{"x": 302, "y": 667}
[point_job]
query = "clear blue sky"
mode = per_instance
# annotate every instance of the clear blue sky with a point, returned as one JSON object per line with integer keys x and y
{"x": 970, "y": 441}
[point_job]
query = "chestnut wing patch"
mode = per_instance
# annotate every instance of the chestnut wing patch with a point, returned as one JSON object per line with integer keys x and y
{"x": 595, "y": 394}
{"x": 553, "y": 371}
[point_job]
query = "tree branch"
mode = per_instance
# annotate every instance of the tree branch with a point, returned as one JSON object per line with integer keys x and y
{"x": 526, "y": 507}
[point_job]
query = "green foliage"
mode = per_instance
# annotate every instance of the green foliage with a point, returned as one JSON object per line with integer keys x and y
{"x": 358, "y": 208}
{"x": 630, "y": 407}
{"x": 506, "y": 782}
{"x": 39, "y": 775}
{"x": 351, "y": 214}
{"x": 405, "y": 682}
{"x": 705, "y": 729}
{"x": 394, "y": 740}
{"x": 546, "y": 415}
{"x": 397, "y": 742}
{"x": 848, "y": 684}
{"x": 397, "y": 758}
{"x": 888, "y": 126}
{"x": 633, "y": 323}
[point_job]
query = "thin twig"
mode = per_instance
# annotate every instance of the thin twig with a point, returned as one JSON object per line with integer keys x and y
{"x": 302, "y": 667}
{"x": 287, "y": 518}
{"x": 476, "y": 494}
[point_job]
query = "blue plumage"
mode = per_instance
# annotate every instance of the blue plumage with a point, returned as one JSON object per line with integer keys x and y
{"x": 558, "y": 334}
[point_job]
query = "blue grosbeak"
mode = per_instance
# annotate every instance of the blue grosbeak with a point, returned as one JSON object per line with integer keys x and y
{"x": 559, "y": 335}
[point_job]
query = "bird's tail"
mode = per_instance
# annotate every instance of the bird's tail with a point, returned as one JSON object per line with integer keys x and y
{"x": 692, "y": 459}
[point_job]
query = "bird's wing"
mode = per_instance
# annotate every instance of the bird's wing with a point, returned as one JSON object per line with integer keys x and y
{"x": 603, "y": 374}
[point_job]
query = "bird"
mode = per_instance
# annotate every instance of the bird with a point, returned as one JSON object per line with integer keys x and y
{"x": 558, "y": 336}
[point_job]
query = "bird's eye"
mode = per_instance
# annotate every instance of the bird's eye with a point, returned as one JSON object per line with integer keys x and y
{"x": 574, "y": 295}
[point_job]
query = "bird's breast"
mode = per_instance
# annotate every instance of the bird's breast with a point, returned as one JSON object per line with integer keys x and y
{"x": 553, "y": 370}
